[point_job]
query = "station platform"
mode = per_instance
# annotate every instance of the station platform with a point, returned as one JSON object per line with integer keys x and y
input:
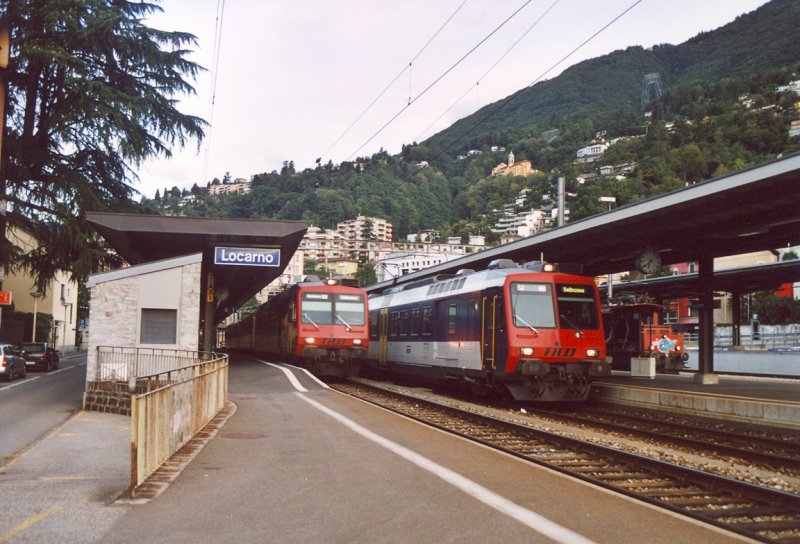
{"x": 297, "y": 462}
{"x": 769, "y": 402}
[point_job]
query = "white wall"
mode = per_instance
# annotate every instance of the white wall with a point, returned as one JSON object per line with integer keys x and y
{"x": 118, "y": 297}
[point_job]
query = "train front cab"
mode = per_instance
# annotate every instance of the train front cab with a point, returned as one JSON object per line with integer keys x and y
{"x": 329, "y": 329}
{"x": 554, "y": 339}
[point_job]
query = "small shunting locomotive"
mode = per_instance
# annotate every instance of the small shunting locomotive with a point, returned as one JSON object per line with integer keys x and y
{"x": 638, "y": 329}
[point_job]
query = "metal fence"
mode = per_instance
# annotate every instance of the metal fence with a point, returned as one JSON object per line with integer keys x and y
{"x": 175, "y": 405}
{"x": 173, "y": 395}
{"x": 129, "y": 364}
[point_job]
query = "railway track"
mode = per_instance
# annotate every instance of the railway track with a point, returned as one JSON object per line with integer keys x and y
{"x": 760, "y": 513}
{"x": 779, "y": 451}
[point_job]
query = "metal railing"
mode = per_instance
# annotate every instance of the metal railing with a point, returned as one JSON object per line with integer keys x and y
{"x": 173, "y": 395}
{"x": 130, "y": 364}
{"x": 175, "y": 404}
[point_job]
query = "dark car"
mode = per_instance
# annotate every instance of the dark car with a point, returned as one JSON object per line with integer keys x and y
{"x": 39, "y": 355}
{"x": 11, "y": 363}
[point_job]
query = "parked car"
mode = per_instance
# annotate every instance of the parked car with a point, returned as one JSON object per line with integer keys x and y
{"x": 11, "y": 363}
{"x": 39, "y": 355}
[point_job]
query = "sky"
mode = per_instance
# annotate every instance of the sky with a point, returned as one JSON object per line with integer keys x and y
{"x": 297, "y": 80}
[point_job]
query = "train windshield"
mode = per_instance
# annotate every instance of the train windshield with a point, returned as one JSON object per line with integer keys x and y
{"x": 577, "y": 308}
{"x": 532, "y": 305}
{"x": 330, "y": 308}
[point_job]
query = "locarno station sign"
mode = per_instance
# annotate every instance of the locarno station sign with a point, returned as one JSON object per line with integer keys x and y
{"x": 247, "y": 256}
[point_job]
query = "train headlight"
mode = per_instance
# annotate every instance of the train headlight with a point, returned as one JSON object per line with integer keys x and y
{"x": 526, "y": 352}
{"x": 357, "y": 341}
{"x": 310, "y": 340}
{"x": 592, "y": 352}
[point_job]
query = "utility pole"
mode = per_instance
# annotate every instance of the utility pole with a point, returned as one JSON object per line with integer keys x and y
{"x": 5, "y": 45}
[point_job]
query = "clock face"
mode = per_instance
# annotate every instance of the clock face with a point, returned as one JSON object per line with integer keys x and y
{"x": 648, "y": 261}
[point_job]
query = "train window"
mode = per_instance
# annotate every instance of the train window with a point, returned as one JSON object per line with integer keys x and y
{"x": 427, "y": 320}
{"x": 394, "y": 319}
{"x": 415, "y": 322}
{"x": 576, "y": 306}
{"x": 404, "y": 323}
{"x": 452, "y": 316}
{"x": 532, "y": 305}
{"x": 349, "y": 309}
{"x": 373, "y": 325}
{"x": 317, "y": 309}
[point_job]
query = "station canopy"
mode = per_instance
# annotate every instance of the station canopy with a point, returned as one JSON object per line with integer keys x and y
{"x": 141, "y": 238}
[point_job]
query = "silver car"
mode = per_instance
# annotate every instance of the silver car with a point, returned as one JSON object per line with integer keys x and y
{"x": 11, "y": 363}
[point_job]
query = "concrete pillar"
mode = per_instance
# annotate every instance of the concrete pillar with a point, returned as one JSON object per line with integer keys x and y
{"x": 706, "y": 364}
{"x": 736, "y": 320}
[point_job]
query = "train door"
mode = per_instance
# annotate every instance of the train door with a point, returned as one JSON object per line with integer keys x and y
{"x": 488, "y": 316}
{"x": 288, "y": 334}
{"x": 383, "y": 336}
{"x": 494, "y": 348}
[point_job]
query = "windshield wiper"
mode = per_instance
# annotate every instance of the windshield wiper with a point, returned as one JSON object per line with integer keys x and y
{"x": 531, "y": 327}
{"x": 571, "y": 324}
{"x": 346, "y": 324}
{"x": 310, "y": 320}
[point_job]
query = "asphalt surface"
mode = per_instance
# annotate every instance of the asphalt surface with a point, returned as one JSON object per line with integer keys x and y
{"x": 311, "y": 466}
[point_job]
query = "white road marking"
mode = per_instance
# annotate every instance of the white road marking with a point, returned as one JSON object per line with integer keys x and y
{"x": 537, "y": 522}
{"x": 289, "y": 375}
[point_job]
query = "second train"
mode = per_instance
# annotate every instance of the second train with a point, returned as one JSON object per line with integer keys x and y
{"x": 526, "y": 333}
{"x": 320, "y": 325}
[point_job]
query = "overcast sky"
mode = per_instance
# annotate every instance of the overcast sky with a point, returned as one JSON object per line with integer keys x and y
{"x": 294, "y": 76}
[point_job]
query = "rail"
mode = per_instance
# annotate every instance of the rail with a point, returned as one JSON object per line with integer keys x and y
{"x": 130, "y": 364}
{"x": 175, "y": 405}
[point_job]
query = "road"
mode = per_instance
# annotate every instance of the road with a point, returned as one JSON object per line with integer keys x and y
{"x": 31, "y": 408}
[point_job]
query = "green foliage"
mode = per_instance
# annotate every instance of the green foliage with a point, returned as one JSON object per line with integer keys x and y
{"x": 366, "y": 274}
{"x": 90, "y": 95}
{"x": 774, "y": 310}
{"x": 699, "y": 128}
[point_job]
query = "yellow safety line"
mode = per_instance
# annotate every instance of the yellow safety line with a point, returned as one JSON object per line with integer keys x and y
{"x": 30, "y": 522}
{"x": 67, "y": 478}
{"x": 16, "y": 457}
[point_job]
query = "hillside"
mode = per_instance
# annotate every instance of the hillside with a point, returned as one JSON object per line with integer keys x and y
{"x": 615, "y": 80}
{"x": 721, "y": 110}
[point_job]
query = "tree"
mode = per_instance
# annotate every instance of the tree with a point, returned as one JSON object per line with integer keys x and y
{"x": 91, "y": 94}
{"x": 365, "y": 274}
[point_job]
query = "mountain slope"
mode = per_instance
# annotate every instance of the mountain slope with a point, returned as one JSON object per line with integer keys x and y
{"x": 764, "y": 38}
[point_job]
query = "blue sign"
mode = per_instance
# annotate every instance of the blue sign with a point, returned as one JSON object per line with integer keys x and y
{"x": 247, "y": 256}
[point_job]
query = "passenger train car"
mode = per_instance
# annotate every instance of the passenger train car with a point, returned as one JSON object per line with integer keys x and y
{"x": 639, "y": 330}
{"x": 322, "y": 326}
{"x": 530, "y": 334}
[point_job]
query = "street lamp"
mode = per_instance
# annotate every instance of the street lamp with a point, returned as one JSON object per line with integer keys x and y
{"x": 610, "y": 200}
{"x": 36, "y": 296}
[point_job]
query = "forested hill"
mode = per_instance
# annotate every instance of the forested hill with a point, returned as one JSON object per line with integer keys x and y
{"x": 727, "y": 103}
{"x": 762, "y": 39}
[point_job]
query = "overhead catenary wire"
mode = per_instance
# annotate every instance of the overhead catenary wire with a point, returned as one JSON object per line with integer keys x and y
{"x": 406, "y": 68}
{"x": 217, "y": 48}
{"x": 516, "y": 95}
{"x": 487, "y": 72}
{"x": 438, "y": 79}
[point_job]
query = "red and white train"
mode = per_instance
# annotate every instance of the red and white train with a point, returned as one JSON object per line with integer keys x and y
{"x": 321, "y": 325}
{"x": 527, "y": 333}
